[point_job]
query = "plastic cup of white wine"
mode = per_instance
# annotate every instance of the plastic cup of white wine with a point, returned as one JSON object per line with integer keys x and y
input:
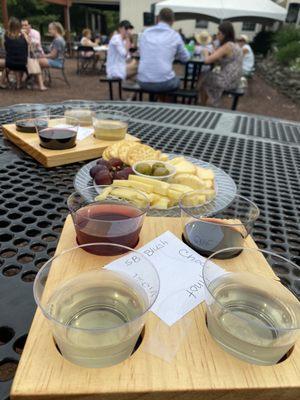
{"x": 83, "y": 110}
{"x": 110, "y": 125}
{"x": 250, "y": 313}
{"x": 96, "y": 315}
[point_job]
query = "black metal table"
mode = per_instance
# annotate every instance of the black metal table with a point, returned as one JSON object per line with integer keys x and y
{"x": 261, "y": 154}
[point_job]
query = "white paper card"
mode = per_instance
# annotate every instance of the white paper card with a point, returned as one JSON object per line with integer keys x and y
{"x": 180, "y": 271}
{"x": 82, "y": 132}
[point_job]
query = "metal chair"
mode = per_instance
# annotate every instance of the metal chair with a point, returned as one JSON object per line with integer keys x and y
{"x": 84, "y": 60}
{"x": 48, "y": 78}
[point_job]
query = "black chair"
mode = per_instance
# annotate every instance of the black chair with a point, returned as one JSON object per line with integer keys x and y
{"x": 86, "y": 57}
{"x": 48, "y": 78}
{"x": 235, "y": 94}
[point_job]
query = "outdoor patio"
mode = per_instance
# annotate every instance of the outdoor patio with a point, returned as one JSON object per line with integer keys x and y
{"x": 260, "y": 98}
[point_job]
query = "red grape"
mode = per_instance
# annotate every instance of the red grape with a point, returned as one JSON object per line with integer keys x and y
{"x": 97, "y": 168}
{"x": 128, "y": 170}
{"x": 116, "y": 163}
{"x": 103, "y": 178}
{"x": 101, "y": 161}
{"x": 120, "y": 175}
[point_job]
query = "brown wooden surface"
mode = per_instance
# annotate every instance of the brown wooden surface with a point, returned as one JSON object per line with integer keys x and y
{"x": 85, "y": 149}
{"x": 200, "y": 370}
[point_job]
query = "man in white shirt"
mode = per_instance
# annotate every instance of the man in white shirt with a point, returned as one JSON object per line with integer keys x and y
{"x": 159, "y": 46}
{"x": 118, "y": 64}
{"x": 248, "y": 55}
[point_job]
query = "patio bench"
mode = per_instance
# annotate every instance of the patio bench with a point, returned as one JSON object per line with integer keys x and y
{"x": 184, "y": 94}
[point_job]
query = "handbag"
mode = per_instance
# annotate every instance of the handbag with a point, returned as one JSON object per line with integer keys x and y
{"x": 33, "y": 65}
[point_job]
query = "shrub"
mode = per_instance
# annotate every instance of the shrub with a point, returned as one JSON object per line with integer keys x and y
{"x": 287, "y": 35}
{"x": 287, "y": 54}
{"x": 262, "y": 42}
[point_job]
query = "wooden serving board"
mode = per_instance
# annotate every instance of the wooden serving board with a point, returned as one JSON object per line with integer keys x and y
{"x": 200, "y": 370}
{"x": 85, "y": 149}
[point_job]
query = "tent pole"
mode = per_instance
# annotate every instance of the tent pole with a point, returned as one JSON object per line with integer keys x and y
{"x": 4, "y": 13}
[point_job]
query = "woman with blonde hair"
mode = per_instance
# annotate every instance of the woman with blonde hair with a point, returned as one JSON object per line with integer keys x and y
{"x": 56, "y": 56}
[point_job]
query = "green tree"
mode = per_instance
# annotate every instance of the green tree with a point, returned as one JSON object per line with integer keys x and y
{"x": 39, "y": 12}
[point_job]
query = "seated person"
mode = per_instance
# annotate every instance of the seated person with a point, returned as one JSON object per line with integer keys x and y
{"x": 229, "y": 56}
{"x": 118, "y": 64}
{"x": 159, "y": 46}
{"x": 16, "y": 48}
{"x": 34, "y": 37}
{"x": 248, "y": 55}
{"x": 86, "y": 41}
{"x": 55, "y": 59}
{"x": 203, "y": 45}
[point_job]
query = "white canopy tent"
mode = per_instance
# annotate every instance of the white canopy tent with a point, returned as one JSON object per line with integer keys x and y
{"x": 259, "y": 11}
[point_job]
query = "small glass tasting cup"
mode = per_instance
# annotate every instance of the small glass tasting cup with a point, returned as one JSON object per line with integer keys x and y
{"x": 25, "y": 115}
{"x": 57, "y": 132}
{"x": 208, "y": 231}
{"x": 109, "y": 220}
{"x": 81, "y": 110}
{"x": 96, "y": 315}
{"x": 250, "y": 314}
{"x": 110, "y": 125}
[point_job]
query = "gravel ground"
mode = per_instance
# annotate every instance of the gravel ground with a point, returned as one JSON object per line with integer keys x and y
{"x": 260, "y": 99}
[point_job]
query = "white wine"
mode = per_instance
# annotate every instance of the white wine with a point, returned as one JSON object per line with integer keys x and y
{"x": 249, "y": 323}
{"x": 101, "y": 319}
{"x": 109, "y": 129}
{"x": 84, "y": 116}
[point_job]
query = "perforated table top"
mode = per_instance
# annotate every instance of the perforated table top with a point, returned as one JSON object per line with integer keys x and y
{"x": 261, "y": 154}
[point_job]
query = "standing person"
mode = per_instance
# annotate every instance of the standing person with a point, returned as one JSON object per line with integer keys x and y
{"x": 55, "y": 59}
{"x": 33, "y": 36}
{"x": 183, "y": 37}
{"x": 118, "y": 64}
{"x": 159, "y": 46}
{"x": 230, "y": 58}
{"x": 248, "y": 55}
{"x": 16, "y": 48}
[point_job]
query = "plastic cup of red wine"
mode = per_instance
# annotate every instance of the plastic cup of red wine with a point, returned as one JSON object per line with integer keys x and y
{"x": 208, "y": 231}
{"x": 109, "y": 220}
{"x": 25, "y": 115}
{"x": 57, "y": 132}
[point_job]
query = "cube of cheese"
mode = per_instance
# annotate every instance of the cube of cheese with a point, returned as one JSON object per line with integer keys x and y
{"x": 185, "y": 167}
{"x": 161, "y": 204}
{"x": 144, "y": 187}
{"x": 180, "y": 188}
{"x": 205, "y": 173}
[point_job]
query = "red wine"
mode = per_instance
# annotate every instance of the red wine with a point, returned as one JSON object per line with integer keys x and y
{"x": 108, "y": 223}
{"x": 207, "y": 238}
{"x": 29, "y": 125}
{"x": 57, "y": 138}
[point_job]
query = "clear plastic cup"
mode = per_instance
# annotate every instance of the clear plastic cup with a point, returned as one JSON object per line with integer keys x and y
{"x": 208, "y": 231}
{"x": 57, "y": 132}
{"x": 250, "y": 314}
{"x": 25, "y": 114}
{"x": 82, "y": 110}
{"x": 96, "y": 315}
{"x": 108, "y": 218}
{"x": 110, "y": 124}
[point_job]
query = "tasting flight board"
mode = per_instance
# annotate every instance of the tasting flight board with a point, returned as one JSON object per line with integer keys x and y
{"x": 200, "y": 369}
{"x": 85, "y": 149}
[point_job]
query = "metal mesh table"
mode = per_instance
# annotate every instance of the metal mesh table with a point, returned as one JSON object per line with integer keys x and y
{"x": 261, "y": 154}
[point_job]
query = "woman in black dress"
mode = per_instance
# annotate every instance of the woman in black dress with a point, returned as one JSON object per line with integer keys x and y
{"x": 16, "y": 48}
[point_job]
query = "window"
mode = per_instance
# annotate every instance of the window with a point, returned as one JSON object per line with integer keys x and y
{"x": 248, "y": 26}
{"x": 202, "y": 24}
{"x": 293, "y": 12}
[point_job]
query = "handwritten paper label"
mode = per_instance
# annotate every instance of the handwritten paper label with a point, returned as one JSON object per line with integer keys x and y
{"x": 179, "y": 269}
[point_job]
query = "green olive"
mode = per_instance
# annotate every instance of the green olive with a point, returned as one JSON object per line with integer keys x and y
{"x": 144, "y": 169}
{"x": 160, "y": 171}
{"x": 158, "y": 165}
